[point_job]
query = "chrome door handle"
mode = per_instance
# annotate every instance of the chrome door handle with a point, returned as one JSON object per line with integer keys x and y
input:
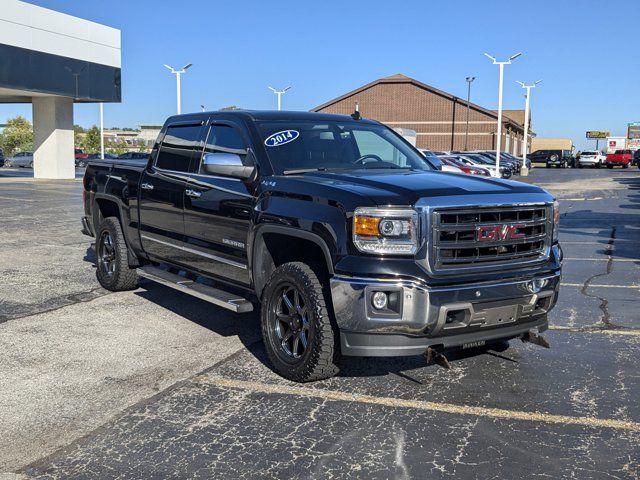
{"x": 146, "y": 186}
{"x": 193, "y": 193}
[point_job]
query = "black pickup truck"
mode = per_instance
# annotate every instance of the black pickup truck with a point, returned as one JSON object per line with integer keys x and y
{"x": 351, "y": 241}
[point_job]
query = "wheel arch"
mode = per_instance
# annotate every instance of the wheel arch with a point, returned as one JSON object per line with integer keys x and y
{"x": 267, "y": 252}
{"x": 111, "y": 206}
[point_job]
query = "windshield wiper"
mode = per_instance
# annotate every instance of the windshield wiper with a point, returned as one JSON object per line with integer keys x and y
{"x": 298, "y": 171}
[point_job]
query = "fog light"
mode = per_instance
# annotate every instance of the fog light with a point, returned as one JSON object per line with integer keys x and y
{"x": 534, "y": 286}
{"x": 379, "y": 300}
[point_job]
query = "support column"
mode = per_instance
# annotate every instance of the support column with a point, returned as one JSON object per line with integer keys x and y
{"x": 53, "y": 155}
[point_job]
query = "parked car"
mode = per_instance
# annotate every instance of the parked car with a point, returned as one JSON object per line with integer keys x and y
{"x": 20, "y": 159}
{"x": 455, "y": 161}
{"x": 486, "y": 162}
{"x": 636, "y": 158}
{"x": 438, "y": 163}
{"x": 620, "y": 158}
{"x": 491, "y": 156}
{"x": 450, "y": 167}
{"x": 79, "y": 154}
{"x": 557, "y": 158}
{"x": 1, "y": 158}
{"x": 343, "y": 232}
{"x": 134, "y": 156}
{"x": 591, "y": 158}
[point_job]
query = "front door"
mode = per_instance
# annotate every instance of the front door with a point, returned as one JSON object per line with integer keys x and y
{"x": 162, "y": 190}
{"x": 217, "y": 211}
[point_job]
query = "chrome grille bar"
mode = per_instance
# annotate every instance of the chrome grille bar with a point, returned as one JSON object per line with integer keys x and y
{"x": 458, "y": 241}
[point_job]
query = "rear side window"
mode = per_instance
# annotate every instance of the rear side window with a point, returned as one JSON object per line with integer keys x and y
{"x": 177, "y": 147}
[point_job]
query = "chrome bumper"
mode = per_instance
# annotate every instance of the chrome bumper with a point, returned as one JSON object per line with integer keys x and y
{"x": 451, "y": 316}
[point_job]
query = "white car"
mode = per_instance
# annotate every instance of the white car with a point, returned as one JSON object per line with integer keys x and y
{"x": 592, "y": 159}
{"x": 20, "y": 159}
{"x": 445, "y": 168}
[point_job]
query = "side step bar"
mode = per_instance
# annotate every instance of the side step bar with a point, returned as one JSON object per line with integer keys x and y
{"x": 209, "y": 294}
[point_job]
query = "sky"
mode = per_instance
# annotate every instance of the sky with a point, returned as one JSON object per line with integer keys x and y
{"x": 585, "y": 52}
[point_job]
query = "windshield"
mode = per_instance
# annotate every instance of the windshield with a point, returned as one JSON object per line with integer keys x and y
{"x": 309, "y": 145}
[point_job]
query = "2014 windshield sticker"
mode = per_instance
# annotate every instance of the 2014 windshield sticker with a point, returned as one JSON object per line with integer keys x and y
{"x": 281, "y": 138}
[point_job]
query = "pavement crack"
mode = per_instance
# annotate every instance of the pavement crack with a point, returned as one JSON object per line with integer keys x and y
{"x": 604, "y": 302}
{"x": 59, "y": 303}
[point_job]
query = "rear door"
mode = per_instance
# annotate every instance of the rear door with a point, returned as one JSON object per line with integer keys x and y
{"x": 162, "y": 189}
{"x": 218, "y": 209}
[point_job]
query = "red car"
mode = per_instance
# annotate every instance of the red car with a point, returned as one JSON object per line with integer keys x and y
{"x": 621, "y": 158}
{"x": 80, "y": 154}
{"x": 468, "y": 169}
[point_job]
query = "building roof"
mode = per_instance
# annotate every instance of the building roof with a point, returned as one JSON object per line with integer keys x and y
{"x": 400, "y": 78}
{"x": 515, "y": 115}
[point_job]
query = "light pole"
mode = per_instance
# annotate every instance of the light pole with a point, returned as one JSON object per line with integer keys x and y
{"x": 102, "y": 130}
{"x": 177, "y": 73}
{"x": 525, "y": 170}
{"x": 466, "y": 133}
{"x": 279, "y": 93}
{"x": 500, "y": 84}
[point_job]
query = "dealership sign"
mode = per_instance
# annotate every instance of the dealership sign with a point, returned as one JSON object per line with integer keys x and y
{"x": 633, "y": 130}
{"x": 597, "y": 134}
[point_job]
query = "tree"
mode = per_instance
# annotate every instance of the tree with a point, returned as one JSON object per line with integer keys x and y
{"x": 91, "y": 140}
{"x": 17, "y": 136}
{"x": 117, "y": 147}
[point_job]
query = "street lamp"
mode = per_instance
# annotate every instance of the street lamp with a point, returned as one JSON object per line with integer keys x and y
{"x": 279, "y": 93}
{"x": 177, "y": 73}
{"x": 525, "y": 170}
{"x": 500, "y": 84}
{"x": 466, "y": 134}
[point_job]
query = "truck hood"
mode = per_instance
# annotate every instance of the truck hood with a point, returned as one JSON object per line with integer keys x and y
{"x": 407, "y": 187}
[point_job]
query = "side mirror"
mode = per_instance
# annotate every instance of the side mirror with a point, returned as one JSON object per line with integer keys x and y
{"x": 437, "y": 163}
{"x": 226, "y": 165}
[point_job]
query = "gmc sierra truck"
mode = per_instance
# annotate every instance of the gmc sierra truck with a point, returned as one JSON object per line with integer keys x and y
{"x": 349, "y": 239}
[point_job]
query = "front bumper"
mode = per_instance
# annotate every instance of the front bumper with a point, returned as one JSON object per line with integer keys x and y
{"x": 420, "y": 316}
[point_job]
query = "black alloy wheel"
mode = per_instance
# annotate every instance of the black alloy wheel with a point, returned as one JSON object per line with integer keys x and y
{"x": 290, "y": 322}
{"x": 107, "y": 255}
{"x": 298, "y": 329}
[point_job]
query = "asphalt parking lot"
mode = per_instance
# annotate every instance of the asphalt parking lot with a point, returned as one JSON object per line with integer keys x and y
{"x": 152, "y": 383}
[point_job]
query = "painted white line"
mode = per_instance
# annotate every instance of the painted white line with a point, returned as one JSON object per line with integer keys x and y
{"x": 604, "y": 259}
{"x": 621, "y": 331}
{"x": 258, "y": 387}
{"x": 632, "y": 287}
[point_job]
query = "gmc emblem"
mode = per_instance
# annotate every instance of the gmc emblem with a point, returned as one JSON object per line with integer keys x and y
{"x": 496, "y": 233}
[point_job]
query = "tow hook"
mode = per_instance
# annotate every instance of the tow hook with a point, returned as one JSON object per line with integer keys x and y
{"x": 433, "y": 356}
{"x": 533, "y": 337}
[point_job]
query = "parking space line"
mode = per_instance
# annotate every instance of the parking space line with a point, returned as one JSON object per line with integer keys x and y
{"x": 606, "y": 331}
{"x": 591, "y": 285}
{"x": 604, "y": 259}
{"x": 500, "y": 413}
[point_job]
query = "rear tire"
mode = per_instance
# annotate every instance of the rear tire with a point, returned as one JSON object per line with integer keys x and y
{"x": 113, "y": 269}
{"x": 626, "y": 165}
{"x": 299, "y": 333}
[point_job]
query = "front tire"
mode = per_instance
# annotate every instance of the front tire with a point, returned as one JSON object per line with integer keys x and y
{"x": 113, "y": 269}
{"x": 298, "y": 332}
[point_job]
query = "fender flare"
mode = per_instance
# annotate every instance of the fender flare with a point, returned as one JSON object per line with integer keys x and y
{"x": 259, "y": 279}
{"x": 132, "y": 256}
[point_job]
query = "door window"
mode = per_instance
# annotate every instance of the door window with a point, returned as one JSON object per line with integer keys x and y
{"x": 225, "y": 139}
{"x": 177, "y": 146}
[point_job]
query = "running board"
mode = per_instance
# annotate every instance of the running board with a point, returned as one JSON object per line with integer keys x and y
{"x": 204, "y": 292}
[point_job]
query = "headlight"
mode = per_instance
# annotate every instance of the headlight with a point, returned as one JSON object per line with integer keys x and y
{"x": 556, "y": 220}
{"x": 392, "y": 231}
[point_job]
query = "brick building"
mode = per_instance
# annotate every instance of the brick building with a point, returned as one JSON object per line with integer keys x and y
{"x": 439, "y": 118}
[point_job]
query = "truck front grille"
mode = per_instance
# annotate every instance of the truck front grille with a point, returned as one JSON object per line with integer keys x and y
{"x": 490, "y": 236}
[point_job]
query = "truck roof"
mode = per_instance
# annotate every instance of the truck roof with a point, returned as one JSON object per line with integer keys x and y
{"x": 269, "y": 115}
